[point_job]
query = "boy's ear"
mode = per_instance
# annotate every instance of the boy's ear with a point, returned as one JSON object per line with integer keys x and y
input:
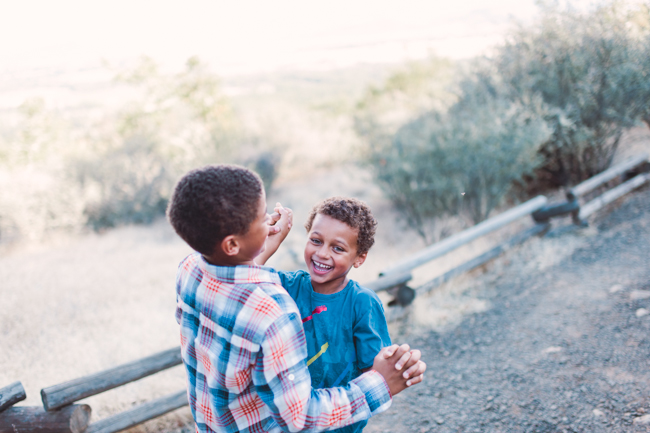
{"x": 230, "y": 246}
{"x": 358, "y": 261}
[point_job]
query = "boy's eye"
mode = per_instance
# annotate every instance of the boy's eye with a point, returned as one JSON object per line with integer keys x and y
{"x": 339, "y": 249}
{"x": 315, "y": 241}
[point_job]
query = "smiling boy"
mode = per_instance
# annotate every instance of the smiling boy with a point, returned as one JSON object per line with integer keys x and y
{"x": 344, "y": 322}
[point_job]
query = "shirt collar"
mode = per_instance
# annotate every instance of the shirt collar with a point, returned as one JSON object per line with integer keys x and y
{"x": 243, "y": 274}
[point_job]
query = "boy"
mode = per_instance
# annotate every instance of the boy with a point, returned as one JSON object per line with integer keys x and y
{"x": 344, "y": 322}
{"x": 242, "y": 341}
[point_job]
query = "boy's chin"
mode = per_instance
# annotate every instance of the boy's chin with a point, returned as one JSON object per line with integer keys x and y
{"x": 321, "y": 278}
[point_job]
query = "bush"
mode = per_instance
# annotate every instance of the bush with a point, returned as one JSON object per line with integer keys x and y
{"x": 130, "y": 184}
{"x": 592, "y": 72}
{"x": 37, "y": 196}
{"x": 459, "y": 160}
{"x": 118, "y": 169}
{"x": 462, "y": 163}
{"x": 266, "y": 165}
{"x": 181, "y": 122}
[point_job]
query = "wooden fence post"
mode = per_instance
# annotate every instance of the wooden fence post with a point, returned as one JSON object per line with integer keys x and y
{"x": 12, "y": 394}
{"x": 29, "y": 419}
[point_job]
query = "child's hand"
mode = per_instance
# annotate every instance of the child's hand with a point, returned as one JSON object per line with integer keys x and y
{"x": 400, "y": 366}
{"x": 280, "y": 221}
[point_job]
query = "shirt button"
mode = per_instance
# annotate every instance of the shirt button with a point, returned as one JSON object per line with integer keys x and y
{"x": 291, "y": 377}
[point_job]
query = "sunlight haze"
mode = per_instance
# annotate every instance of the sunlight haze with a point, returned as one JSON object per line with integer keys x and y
{"x": 249, "y": 36}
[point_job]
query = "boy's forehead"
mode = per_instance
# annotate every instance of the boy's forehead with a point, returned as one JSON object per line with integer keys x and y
{"x": 327, "y": 225}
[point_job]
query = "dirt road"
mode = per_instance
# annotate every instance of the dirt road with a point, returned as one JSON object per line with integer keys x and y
{"x": 562, "y": 348}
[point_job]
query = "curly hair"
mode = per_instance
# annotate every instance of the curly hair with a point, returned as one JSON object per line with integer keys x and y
{"x": 213, "y": 202}
{"x": 352, "y": 212}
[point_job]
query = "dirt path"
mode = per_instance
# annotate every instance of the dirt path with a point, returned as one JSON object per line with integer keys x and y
{"x": 563, "y": 348}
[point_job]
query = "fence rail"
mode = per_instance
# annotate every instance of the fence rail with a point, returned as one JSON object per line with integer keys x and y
{"x": 60, "y": 415}
{"x": 589, "y": 208}
{"x": 65, "y": 393}
{"x": 138, "y": 415}
{"x": 594, "y": 182}
{"x": 452, "y": 242}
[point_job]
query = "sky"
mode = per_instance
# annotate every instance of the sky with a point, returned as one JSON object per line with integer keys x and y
{"x": 248, "y": 36}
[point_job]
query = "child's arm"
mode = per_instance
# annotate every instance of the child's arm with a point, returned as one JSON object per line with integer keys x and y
{"x": 370, "y": 333}
{"x": 279, "y": 227}
{"x": 282, "y": 380}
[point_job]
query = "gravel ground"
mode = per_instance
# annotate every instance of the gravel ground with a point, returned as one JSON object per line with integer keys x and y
{"x": 563, "y": 347}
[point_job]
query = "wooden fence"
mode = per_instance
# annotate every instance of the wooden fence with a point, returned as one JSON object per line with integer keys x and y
{"x": 60, "y": 413}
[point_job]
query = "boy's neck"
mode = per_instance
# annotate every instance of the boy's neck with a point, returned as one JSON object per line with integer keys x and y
{"x": 224, "y": 260}
{"x": 331, "y": 287}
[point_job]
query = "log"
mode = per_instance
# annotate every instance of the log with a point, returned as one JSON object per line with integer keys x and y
{"x": 459, "y": 239}
{"x": 484, "y": 258}
{"x": 611, "y": 195}
{"x": 140, "y": 414}
{"x": 12, "y": 394}
{"x": 388, "y": 281}
{"x": 68, "y": 392}
{"x": 33, "y": 419}
{"x": 403, "y": 295}
{"x": 607, "y": 175}
{"x": 556, "y": 209}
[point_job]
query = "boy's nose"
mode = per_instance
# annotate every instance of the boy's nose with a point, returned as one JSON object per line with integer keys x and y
{"x": 323, "y": 252}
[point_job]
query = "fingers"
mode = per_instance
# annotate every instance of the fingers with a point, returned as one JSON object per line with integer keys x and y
{"x": 403, "y": 355}
{"x": 412, "y": 364}
{"x": 274, "y": 229}
{"x": 283, "y": 213}
{"x": 388, "y": 351}
{"x": 415, "y": 380}
{"x": 418, "y": 376}
{"x": 274, "y": 218}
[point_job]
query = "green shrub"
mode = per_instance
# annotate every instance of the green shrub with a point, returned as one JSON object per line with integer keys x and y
{"x": 129, "y": 184}
{"x": 461, "y": 163}
{"x": 591, "y": 70}
{"x": 459, "y": 160}
{"x": 181, "y": 122}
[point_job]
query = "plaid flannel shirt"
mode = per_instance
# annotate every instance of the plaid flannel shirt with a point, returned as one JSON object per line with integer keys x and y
{"x": 244, "y": 351}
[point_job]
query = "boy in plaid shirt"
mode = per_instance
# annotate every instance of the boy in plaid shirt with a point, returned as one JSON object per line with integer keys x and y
{"x": 242, "y": 339}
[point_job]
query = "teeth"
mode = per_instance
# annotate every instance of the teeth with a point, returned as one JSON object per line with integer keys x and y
{"x": 321, "y": 266}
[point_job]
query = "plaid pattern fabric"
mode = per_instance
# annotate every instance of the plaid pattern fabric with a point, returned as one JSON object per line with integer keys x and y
{"x": 243, "y": 347}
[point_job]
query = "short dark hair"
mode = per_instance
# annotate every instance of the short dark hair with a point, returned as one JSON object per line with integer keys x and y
{"x": 352, "y": 212}
{"x": 213, "y": 202}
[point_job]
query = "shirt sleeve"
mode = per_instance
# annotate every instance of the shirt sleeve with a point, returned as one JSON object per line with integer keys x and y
{"x": 291, "y": 281}
{"x": 179, "y": 310}
{"x": 370, "y": 329}
{"x": 282, "y": 380}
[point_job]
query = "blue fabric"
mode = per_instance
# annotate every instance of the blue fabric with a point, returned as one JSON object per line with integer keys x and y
{"x": 353, "y": 327}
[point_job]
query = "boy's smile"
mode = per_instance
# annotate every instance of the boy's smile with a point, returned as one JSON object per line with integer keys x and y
{"x": 330, "y": 253}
